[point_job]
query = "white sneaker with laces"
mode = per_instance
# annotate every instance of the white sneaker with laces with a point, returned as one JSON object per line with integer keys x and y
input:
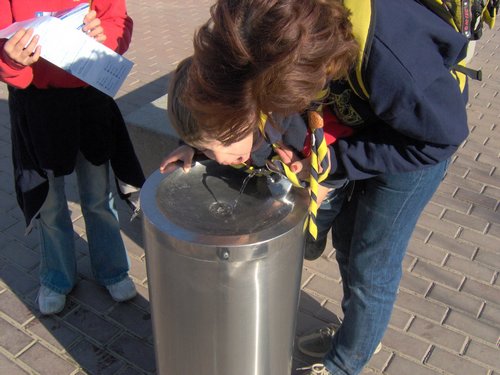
{"x": 122, "y": 290}
{"x": 49, "y": 301}
{"x": 316, "y": 369}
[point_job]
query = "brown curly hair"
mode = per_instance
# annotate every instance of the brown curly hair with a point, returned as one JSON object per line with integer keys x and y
{"x": 256, "y": 56}
{"x": 181, "y": 118}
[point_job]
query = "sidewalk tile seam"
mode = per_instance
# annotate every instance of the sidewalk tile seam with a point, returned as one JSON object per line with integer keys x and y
{"x": 18, "y": 362}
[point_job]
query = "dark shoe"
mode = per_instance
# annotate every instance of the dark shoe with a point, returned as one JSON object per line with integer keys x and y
{"x": 314, "y": 248}
{"x": 319, "y": 342}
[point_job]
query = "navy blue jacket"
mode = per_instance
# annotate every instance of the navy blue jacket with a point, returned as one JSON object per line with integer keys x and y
{"x": 416, "y": 114}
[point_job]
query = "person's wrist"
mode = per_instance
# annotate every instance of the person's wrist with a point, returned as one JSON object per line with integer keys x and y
{"x": 10, "y": 62}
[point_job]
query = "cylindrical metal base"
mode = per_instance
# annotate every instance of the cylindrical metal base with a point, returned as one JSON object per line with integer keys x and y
{"x": 224, "y": 290}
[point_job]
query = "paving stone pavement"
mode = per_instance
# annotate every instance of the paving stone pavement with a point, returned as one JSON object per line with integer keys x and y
{"x": 447, "y": 315}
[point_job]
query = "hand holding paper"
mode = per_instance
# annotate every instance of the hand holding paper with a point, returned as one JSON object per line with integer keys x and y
{"x": 22, "y": 48}
{"x": 65, "y": 45}
{"x": 92, "y": 26}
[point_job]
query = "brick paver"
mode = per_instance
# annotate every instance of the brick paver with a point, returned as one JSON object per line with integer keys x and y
{"x": 447, "y": 315}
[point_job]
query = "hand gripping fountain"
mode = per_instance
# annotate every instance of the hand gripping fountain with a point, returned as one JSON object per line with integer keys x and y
{"x": 224, "y": 257}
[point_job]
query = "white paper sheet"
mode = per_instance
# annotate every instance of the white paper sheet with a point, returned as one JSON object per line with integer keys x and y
{"x": 66, "y": 46}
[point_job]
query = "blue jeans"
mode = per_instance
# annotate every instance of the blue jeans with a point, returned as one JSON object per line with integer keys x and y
{"x": 108, "y": 257}
{"x": 371, "y": 221}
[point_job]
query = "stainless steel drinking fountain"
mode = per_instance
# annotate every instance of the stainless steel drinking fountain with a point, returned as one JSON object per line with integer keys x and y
{"x": 224, "y": 271}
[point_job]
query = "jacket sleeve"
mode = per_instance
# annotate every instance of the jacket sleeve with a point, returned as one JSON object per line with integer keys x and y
{"x": 116, "y": 23}
{"x": 10, "y": 72}
{"x": 383, "y": 150}
{"x": 421, "y": 114}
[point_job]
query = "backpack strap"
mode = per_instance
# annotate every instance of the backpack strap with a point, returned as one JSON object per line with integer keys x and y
{"x": 472, "y": 73}
{"x": 466, "y": 17}
{"x": 450, "y": 11}
{"x": 490, "y": 12}
{"x": 363, "y": 24}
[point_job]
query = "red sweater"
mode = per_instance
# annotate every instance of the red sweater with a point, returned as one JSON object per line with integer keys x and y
{"x": 116, "y": 23}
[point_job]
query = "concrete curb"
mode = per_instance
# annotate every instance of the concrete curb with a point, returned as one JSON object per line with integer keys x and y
{"x": 151, "y": 133}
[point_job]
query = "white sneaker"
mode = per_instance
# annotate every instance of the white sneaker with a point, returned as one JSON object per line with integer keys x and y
{"x": 50, "y": 302}
{"x": 316, "y": 369}
{"x": 122, "y": 290}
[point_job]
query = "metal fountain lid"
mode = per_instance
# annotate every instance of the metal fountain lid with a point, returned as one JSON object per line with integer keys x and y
{"x": 205, "y": 205}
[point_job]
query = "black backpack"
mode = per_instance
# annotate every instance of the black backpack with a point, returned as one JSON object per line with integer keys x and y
{"x": 465, "y": 16}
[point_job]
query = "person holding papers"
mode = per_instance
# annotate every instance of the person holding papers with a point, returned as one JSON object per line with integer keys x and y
{"x": 59, "y": 124}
